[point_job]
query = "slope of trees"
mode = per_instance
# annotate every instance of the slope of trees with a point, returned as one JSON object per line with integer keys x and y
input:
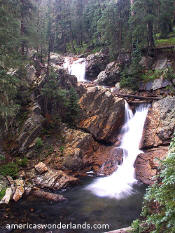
{"x": 74, "y": 26}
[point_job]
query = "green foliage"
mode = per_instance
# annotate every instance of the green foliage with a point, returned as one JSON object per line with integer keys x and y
{"x": 131, "y": 76}
{"x": 169, "y": 74}
{"x": 10, "y": 169}
{"x": 60, "y": 103}
{"x": 2, "y": 157}
{"x": 39, "y": 143}
{"x": 22, "y": 162}
{"x": 61, "y": 149}
{"x": 151, "y": 75}
{"x": 2, "y": 193}
{"x": 159, "y": 202}
{"x": 8, "y": 107}
{"x": 165, "y": 42}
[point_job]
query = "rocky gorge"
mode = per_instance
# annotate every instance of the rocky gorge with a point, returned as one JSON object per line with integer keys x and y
{"x": 92, "y": 143}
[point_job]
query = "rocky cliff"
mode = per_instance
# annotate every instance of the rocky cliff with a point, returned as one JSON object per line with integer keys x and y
{"x": 92, "y": 143}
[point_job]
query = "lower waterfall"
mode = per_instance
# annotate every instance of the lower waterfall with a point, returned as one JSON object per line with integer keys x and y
{"x": 120, "y": 183}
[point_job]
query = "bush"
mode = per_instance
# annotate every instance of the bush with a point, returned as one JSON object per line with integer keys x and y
{"x": 159, "y": 202}
{"x": 22, "y": 162}
{"x": 10, "y": 169}
{"x": 38, "y": 143}
{"x": 2, "y": 193}
{"x": 2, "y": 157}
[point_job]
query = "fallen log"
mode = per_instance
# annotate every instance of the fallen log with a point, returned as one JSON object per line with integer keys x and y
{"x": 48, "y": 196}
{"x": 139, "y": 97}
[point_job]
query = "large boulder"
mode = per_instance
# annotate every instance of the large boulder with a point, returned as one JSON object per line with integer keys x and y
{"x": 95, "y": 63}
{"x": 147, "y": 164}
{"x": 103, "y": 113}
{"x": 56, "y": 59}
{"x": 79, "y": 148}
{"x": 110, "y": 76}
{"x": 160, "y": 123}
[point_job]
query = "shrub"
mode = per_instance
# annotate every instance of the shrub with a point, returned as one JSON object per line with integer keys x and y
{"x": 38, "y": 143}
{"x": 2, "y": 193}
{"x": 159, "y": 201}
{"x": 2, "y": 157}
{"x": 10, "y": 169}
{"x": 22, "y": 162}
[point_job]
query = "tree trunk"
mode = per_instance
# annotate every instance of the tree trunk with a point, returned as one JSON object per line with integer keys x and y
{"x": 22, "y": 29}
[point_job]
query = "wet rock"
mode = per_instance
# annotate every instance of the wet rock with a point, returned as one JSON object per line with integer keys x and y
{"x": 41, "y": 168}
{"x": 95, "y": 63}
{"x": 19, "y": 190}
{"x": 110, "y": 76}
{"x": 160, "y": 123}
{"x": 48, "y": 196}
{"x": 107, "y": 159}
{"x": 147, "y": 164}
{"x": 54, "y": 180}
{"x": 102, "y": 113}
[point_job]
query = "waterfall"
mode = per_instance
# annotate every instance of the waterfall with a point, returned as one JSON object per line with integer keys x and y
{"x": 76, "y": 67}
{"x": 120, "y": 183}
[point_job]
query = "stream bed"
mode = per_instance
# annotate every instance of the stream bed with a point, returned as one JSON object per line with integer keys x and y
{"x": 81, "y": 207}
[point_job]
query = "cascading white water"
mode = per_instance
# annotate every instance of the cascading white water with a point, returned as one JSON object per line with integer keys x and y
{"x": 76, "y": 67}
{"x": 120, "y": 183}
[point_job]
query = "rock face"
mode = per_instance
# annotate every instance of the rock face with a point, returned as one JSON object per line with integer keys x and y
{"x": 95, "y": 63}
{"x": 110, "y": 76}
{"x": 160, "y": 123}
{"x": 31, "y": 128}
{"x": 79, "y": 148}
{"x": 161, "y": 63}
{"x": 147, "y": 165}
{"x": 103, "y": 114}
{"x": 154, "y": 85}
{"x": 146, "y": 62}
{"x": 66, "y": 81}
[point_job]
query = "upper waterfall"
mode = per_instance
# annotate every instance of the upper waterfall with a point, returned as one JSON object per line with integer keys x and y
{"x": 120, "y": 183}
{"x": 77, "y": 67}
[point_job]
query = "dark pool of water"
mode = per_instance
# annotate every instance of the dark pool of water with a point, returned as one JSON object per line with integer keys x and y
{"x": 82, "y": 207}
